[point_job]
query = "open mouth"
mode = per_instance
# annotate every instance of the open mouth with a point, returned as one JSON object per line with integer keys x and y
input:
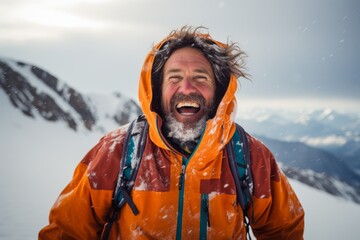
{"x": 188, "y": 108}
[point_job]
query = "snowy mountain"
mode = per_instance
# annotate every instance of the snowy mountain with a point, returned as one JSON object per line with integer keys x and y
{"x": 37, "y": 93}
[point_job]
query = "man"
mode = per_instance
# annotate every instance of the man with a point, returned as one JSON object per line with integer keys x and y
{"x": 187, "y": 93}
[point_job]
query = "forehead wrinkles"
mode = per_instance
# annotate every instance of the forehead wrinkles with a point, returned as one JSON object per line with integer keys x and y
{"x": 189, "y": 56}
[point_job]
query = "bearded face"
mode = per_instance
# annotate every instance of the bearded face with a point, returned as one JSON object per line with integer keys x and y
{"x": 188, "y": 90}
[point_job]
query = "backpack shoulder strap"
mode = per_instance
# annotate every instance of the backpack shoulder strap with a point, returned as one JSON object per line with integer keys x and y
{"x": 239, "y": 160}
{"x": 133, "y": 149}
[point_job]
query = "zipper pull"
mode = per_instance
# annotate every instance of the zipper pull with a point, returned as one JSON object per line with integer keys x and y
{"x": 181, "y": 179}
{"x": 206, "y": 208}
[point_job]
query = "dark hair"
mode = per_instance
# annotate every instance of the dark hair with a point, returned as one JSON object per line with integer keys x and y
{"x": 225, "y": 60}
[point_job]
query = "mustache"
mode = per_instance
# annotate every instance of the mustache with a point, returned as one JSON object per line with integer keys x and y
{"x": 193, "y": 97}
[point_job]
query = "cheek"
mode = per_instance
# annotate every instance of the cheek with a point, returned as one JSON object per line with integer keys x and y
{"x": 208, "y": 93}
{"x": 167, "y": 93}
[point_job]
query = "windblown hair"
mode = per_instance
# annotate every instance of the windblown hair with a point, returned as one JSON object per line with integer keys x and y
{"x": 225, "y": 60}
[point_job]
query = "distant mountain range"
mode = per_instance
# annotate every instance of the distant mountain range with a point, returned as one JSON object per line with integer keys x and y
{"x": 301, "y": 156}
{"x": 335, "y": 132}
{"x": 318, "y": 148}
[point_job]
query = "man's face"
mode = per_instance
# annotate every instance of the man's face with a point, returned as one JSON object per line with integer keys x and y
{"x": 188, "y": 86}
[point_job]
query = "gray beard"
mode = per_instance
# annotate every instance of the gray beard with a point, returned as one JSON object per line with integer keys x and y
{"x": 184, "y": 132}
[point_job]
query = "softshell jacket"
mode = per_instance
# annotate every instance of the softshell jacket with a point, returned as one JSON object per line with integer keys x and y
{"x": 168, "y": 208}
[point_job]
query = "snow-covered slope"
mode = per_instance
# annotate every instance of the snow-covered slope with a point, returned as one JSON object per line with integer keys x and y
{"x": 327, "y": 217}
{"x": 37, "y": 159}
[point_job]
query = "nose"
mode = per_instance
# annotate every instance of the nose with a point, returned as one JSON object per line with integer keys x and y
{"x": 187, "y": 86}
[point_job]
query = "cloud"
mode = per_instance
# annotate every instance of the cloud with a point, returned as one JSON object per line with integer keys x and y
{"x": 45, "y": 20}
{"x": 331, "y": 140}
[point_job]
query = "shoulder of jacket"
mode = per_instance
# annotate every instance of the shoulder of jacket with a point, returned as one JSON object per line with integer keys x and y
{"x": 115, "y": 134}
{"x": 106, "y": 146}
{"x": 254, "y": 141}
{"x": 258, "y": 148}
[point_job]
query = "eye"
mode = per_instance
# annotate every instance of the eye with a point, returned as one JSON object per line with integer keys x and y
{"x": 200, "y": 78}
{"x": 175, "y": 78}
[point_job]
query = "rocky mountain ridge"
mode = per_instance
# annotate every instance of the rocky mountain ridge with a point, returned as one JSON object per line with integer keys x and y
{"x": 36, "y": 92}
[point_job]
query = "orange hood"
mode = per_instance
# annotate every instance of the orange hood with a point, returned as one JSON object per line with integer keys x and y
{"x": 219, "y": 129}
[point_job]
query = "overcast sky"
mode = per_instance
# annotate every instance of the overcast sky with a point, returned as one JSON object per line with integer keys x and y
{"x": 302, "y": 50}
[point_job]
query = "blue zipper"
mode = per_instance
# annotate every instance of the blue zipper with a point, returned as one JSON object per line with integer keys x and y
{"x": 181, "y": 200}
{"x": 204, "y": 216}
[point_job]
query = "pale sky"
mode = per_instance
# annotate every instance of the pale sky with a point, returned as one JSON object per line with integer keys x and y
{"x": 298, "y": 51}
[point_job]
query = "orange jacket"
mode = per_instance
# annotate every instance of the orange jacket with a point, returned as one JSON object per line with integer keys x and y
{"x": 165, "y": 211}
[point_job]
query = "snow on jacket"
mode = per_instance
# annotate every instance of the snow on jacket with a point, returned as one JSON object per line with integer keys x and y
{"x": 165, "y": 211}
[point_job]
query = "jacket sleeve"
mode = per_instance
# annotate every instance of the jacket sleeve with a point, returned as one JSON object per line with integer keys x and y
{"x": 276, "y": 212}
{"x": 80, "y": 210}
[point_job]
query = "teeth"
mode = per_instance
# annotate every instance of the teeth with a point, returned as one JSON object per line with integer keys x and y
{"x": 188, "y": 104}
